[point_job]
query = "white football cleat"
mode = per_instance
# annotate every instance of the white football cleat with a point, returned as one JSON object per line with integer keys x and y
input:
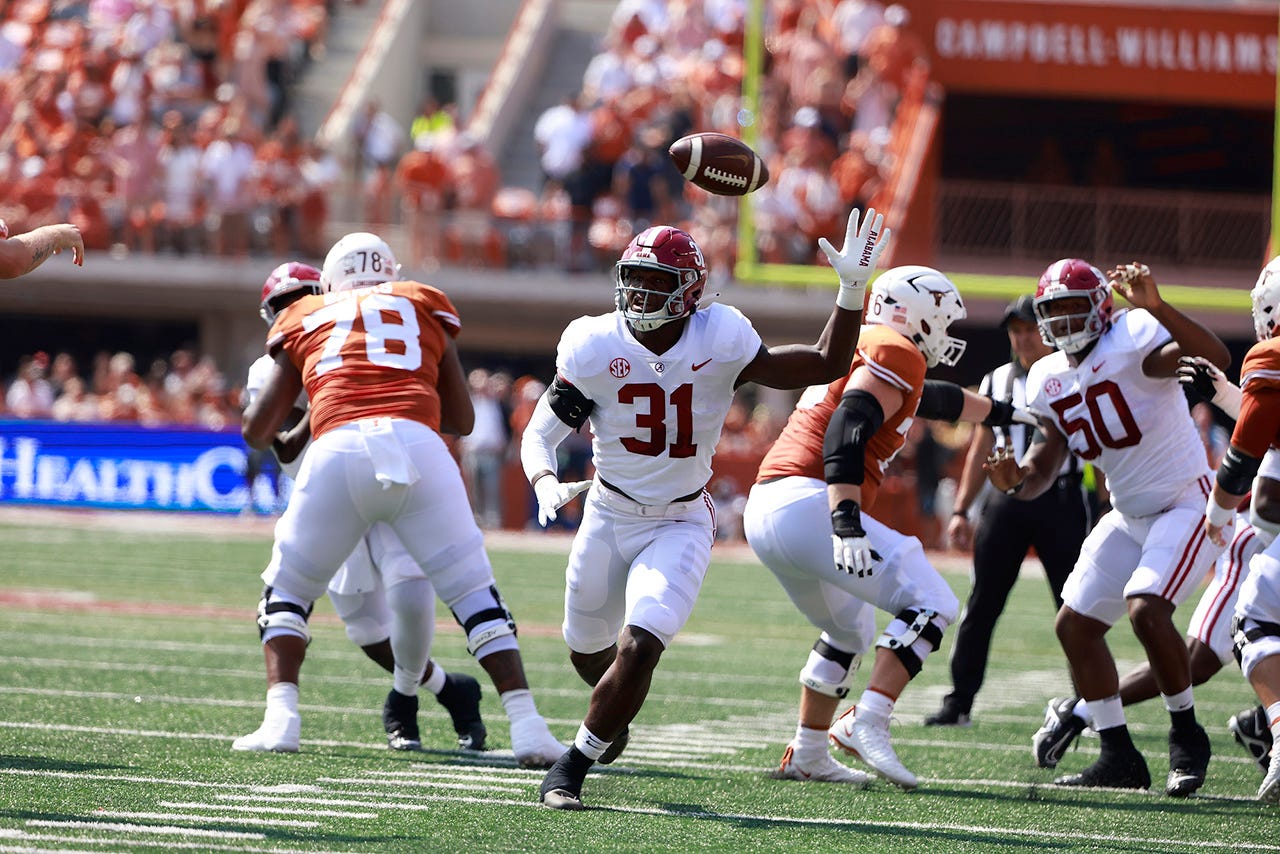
{"x": 279, "y": 733}
{"x": 1269, "y": 791}
{"x": 821, "y": 770}
{"x": 533, "y": 743}
{"x": 869, "y": 741}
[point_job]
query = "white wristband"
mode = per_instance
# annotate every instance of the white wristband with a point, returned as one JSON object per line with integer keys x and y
{"x": 851, "y": 296}
{"x": 1217, "y": 514}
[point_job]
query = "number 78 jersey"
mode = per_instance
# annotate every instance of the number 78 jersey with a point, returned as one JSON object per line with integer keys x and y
{"x": 368, "y": 353}
{"x": 1137, "y": 429}
{"x": 657, "y": 417}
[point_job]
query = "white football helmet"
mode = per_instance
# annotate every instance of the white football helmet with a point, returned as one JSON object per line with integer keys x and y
{"x": 1266, "y": 300}
{"x": 358, "y": 260}
{"x": 920, "y": 303}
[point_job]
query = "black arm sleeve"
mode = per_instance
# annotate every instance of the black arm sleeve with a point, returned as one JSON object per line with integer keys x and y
{"x": 1237, "y": 471}
{"x": 844, "y": 446}
{"x": 570, "y": 405}
{"x": 940, "y": 401}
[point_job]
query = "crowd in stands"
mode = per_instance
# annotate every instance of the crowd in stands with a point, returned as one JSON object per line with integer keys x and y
{"x": 161, "y": 124}
{"x": 185, "y": 389}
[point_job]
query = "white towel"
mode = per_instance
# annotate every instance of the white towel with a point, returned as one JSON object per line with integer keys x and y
{"x": 391, "y": 462}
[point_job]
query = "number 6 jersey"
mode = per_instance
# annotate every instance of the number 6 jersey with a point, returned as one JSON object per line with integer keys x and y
{"x": 367, "y": 353}
{"x": 1137, "y": 429}
{"x": 657, "y": 417}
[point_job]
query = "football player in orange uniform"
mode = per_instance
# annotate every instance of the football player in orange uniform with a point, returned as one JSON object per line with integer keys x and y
{"x": 378, "y": 361}
{"x": 818, "y": 478}
{"x": 1257, "y": 618}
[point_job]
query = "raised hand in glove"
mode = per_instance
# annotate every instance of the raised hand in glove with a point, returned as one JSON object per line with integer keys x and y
{"x": 856, "y": 261}
{"x": 1210, "y": 383}
{"x": 852, "y": 549}
{"x": 552, "y": 495}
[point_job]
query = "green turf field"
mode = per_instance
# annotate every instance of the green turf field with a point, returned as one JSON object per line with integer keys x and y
{"x": 129, "y": 661}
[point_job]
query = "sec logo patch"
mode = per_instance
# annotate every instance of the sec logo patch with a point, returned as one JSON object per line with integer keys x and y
{"x": 619, "y": 367}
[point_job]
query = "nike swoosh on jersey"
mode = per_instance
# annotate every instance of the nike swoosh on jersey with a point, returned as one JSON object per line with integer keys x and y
{"x": 1099, "y": 365}
{"x": 700, "y": 365}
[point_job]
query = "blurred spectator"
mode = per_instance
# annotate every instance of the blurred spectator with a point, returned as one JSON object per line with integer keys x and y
{"x": 183, "y": 203}
{"x": 30, "y": 395}
{"x": 485, "y": 449}
{"x": 379, "y": 141}
{"x": 321, "y": 172}
{"x": 562, "y": 134}
{"x": 422, "y": 180}
{"x": 642, "y": 181}
{"x": 434, "y": 121}
{"x": 227, "y": 167}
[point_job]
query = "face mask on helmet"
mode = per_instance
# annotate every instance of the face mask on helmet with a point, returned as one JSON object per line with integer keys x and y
{"x": 921, "y": 303}
{"x": 291, "y": 279}
{"x": 358, "y": 260}
{"x": 1070, "y": 278}
{"x": 644, "y": 303}
{"x": 1265, "y": 297}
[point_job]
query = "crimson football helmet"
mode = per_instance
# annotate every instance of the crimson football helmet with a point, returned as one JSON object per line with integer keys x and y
{"x": 1266, "y": 301}
{"x": 671, "y": 251}
{"x": 1066, "y": 279}
{"x": 289, "y": 278}
{"x": 921, "y": 303}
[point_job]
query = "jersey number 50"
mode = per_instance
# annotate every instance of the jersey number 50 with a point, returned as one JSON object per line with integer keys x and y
{"x": 1095, "y": 429}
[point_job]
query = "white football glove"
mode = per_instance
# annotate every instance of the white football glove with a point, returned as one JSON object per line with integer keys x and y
{"x": 856, "y": 261}
{"x": 552, "y": 495}
{"x": 852, "y": 550}
{"x": 1210, "y": 383}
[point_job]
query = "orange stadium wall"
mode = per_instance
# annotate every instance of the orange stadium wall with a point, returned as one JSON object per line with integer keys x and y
{"x": 1223, "y": 54}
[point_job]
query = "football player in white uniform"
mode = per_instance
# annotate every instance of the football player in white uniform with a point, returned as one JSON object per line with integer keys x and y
{"x": 379, "y": 573}
{"x": 1257, "y": 618}
{"x": 1111, "y": 396}
{"x": 655, "y": 378}
{"x": 357, "y": 591}
{"x": 1210, "y": 644}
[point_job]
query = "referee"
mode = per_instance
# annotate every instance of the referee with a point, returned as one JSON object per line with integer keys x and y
{"x": 1055, "y": 523}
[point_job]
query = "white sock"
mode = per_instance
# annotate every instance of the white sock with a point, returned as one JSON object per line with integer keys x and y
{"x": 1081, "y": 710}
{"x": 1180, "y": 701}
{"x": 283, "y": 697}
{"x": 1107, "y": 713}
{"x": 590, "y": 744}
{"x": 435, "y": 682}
{"x": 810, "y": 741}
{"x": 519, "y": 704}
{"x": 1273, "y": 720}
{"x": 405, "y": 681}
{"x": 875, "y": 706}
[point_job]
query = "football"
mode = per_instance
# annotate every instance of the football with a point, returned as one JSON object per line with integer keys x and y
{"x": 719, "y": 164}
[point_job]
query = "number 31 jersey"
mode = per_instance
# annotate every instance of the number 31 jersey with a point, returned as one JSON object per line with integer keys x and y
{"x": 657, "y": 417}
{"x": 1136, "y": 428}
{"x": 368, "y": 353}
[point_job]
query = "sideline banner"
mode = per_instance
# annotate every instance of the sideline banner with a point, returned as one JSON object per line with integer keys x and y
{"x": 129, "y": 467}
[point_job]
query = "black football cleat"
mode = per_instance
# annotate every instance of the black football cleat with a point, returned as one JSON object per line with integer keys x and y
{"x": 1189, "y": 754}
{"x": 461, "y": 698}
{"x": 1061, "y": 727}
{"x": 400, "y": 720}
{"x": 1252, "y": 733}
{"x": 1113, "y": 771}
{"x": 562, "y": 787}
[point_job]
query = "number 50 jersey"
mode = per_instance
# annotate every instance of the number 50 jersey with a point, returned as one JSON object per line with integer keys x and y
{"x": 1137, "y": 429}
{"x": 657, "y": 418}
{"x": 368, "y": 353}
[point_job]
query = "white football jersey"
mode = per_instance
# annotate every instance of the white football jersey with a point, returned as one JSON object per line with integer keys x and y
{"x": 657, "y": 418}
{"x": 259, "y": 372}
{"x": 1137, "y": 429}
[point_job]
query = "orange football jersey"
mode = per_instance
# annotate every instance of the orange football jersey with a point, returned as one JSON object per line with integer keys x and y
{"x": 891, "y": 357}
{"x": 369, "y": 352}
{"x": 1258, "y": 427}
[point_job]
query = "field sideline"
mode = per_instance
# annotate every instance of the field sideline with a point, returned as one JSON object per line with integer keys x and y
{"x": 129, "y": 661}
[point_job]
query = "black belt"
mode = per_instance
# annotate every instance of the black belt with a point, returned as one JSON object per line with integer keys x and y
{"x": 690, "y": 497}
{"x": 773, "y": 479}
